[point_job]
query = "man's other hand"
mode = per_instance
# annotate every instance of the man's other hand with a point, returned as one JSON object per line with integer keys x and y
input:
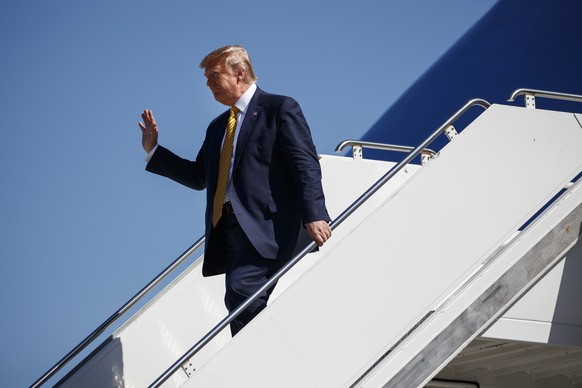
{"x": 319, "y": 231}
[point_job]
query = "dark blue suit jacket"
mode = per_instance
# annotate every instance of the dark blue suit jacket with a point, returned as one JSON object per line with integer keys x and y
{"x": 276, "y": 179}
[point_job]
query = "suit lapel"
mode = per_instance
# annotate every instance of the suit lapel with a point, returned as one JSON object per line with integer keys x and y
{"x": 253, "y": 110}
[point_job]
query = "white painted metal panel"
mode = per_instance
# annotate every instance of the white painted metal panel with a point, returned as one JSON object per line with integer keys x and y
{"x": 550, "y": 311}
{"x": 376, "y": 283}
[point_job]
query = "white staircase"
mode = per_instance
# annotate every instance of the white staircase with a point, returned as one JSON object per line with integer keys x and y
{"x": 429, "y": 262}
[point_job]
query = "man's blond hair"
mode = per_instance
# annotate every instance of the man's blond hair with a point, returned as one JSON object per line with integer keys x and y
{"x": 235, "y": 57}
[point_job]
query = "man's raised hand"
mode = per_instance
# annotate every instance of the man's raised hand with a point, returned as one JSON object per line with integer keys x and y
{"x": 149, "y": 131}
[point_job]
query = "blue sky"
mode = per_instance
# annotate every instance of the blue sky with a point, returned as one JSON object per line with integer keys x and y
{"x": 82, "y": 226}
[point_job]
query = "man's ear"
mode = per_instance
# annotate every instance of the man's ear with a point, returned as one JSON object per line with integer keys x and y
{"x": 241, "y": 75}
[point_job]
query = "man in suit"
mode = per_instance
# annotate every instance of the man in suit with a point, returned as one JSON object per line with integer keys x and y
{"x": 261, "y": 171}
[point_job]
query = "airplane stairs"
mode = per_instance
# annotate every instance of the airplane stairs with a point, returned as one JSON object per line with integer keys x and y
{"x": 420, "y": 267}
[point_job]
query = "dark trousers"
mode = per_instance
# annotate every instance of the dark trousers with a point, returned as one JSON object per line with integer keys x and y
{"x": 246, "y": 270}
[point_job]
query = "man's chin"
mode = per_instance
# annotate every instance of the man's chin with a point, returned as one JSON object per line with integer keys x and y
{"x": 218, "y": 97}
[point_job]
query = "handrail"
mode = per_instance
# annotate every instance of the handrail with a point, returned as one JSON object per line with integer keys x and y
{"x": 546, "y": 94}
{"x": 335, "y": 223}
{"x": 91, "y": 337}
{"x": 380, "y": 146}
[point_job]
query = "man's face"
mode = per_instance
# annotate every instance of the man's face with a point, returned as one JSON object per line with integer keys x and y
{"x": 225, "y": 86}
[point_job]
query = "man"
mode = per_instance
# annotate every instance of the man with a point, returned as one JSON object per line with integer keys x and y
{"x": 262, "y": 175}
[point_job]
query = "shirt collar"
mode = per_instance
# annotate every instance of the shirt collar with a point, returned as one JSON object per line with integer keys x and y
{"x": 245, "y": 99}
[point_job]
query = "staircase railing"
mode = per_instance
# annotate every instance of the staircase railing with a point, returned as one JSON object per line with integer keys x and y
{"x": 359, "y": 145}
{"x": 122, "y": 310}
{"x": 530, "y": 95}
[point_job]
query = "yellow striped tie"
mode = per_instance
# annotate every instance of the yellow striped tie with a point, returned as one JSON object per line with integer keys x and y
{"x": 224, "y": 166}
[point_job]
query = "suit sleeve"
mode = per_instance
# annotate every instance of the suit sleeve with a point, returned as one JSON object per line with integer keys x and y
{"x": 189, "y": 173}
{"x": 294, "y": 139}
